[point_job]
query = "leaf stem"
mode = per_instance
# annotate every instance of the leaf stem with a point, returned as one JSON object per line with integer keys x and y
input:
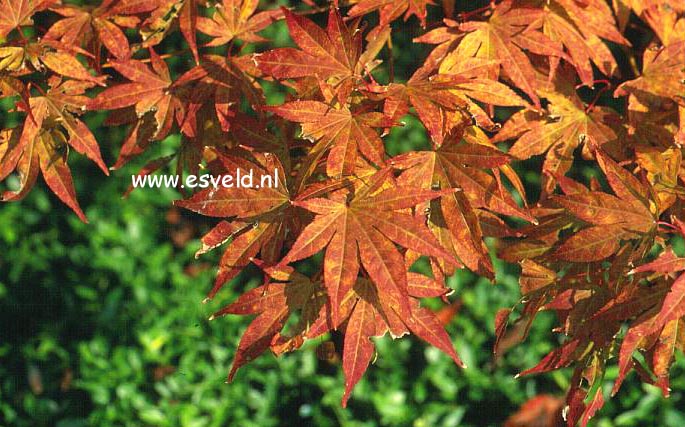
{"x": 391, "y": 72}
{"x": 591, "y": 105}
{"x": 667, "y": 225}
{"x": 463, "y": 16}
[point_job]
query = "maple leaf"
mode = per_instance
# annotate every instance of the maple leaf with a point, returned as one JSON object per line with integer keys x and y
{"x": 273, "y": 303}
{"x": 147, "y": 90}
{"x": 667, "y": 262}
{"x": 390, "y": 10}
{"x": 665, "y": 18}
{"x": 236, "y": 201}
{"x": 366, "y": 229}
{"x": 579, "y": 26}
{"x": 438, "y": 108}
{"x": 465, "y": 74}
{"x": 591, "y": 320}
{"x": 501, "y": 39}
{"x": 48, "y": 54}
{"x": 333, "y": 52}
{"x": 334, "y": 55}
{"x": 357, "y": 348}
{"x": 17, "y": 13}
{"x": 653, "y": 132}
{"x": 139, "y": 136}
{"x": 262, "y": 217}
{"x": 445, "y": 37}
{"x": 616, "y": 219}
{"x": 459, "y": 164}
{"x": 364, "y": 313}
{"x": 648, "y": 328}
{"x": 642, "y": 6}
{"x": 63, "y": 101}
{"x": 217, "y": 79}
{"x": 41, "y": 145}
{"x": 593, "y": 18}
{"x": 162, "y": 15}
{"x": 612, "y": 218}
{"x": 340, "y": 131}
{"x": 662, "y": 74}
{"x": 369, "y": 318}
{"x": 236, "y": 19}
{"x": 558, "y": 132}
{"x": 81, "y": 26}
{"x": 187, "y": 22}
{"x": 660, "y": 328}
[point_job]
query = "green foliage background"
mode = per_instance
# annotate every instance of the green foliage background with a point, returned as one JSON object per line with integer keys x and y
{"x": 117, "y": 307}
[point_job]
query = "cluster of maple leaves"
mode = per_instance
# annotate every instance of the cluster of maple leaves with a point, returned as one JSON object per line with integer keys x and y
{"x": 599, "y": 256}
